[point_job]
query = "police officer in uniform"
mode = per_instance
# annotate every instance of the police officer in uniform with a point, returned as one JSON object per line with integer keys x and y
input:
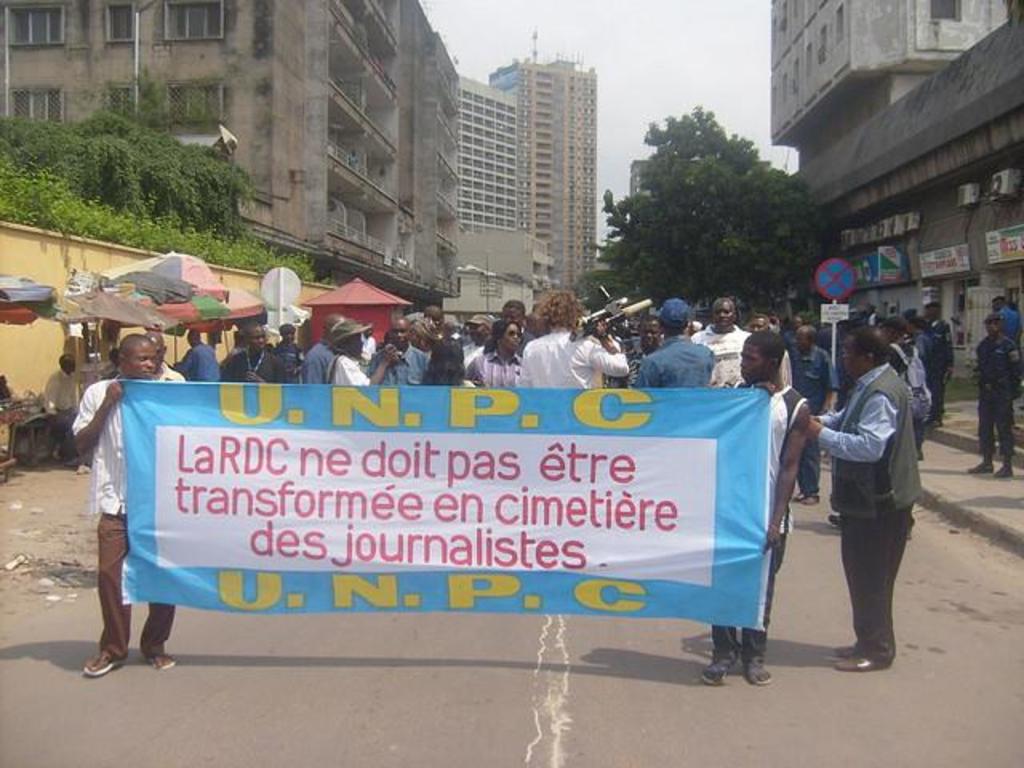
{"x": 998, "y": 384}
{"x": 939, "y": 364}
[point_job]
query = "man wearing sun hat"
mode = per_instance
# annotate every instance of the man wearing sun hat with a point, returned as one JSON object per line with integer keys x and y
{"x": 479, "y": 327}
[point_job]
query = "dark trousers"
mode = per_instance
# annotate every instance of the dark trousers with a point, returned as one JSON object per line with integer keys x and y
{"x": 937, "y": 386}
{"x": 117, "y": 617}
{"x": 61, "y": 434}
{"x": 749, "y": 644}
{"x": 995, "y": 414}
{"x": 872, "y": 550}
{"x": 809, "y": 474}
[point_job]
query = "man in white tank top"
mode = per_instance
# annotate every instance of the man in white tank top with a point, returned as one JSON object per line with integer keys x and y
{"x": 760, "y": 360}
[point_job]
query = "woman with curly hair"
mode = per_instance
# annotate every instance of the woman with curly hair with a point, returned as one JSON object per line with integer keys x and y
{"x": 446, "y": 367}
{"x": 563, "y": 359}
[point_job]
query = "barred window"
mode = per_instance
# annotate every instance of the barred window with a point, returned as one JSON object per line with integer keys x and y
{"x": 120, "y": 98}
{"x": 120, "y": 23}
{"x": 195, "y": 104}
{"x": 193, "y": 21}
{"x": 37, "y": 26}
{"x": 43, "y": 104}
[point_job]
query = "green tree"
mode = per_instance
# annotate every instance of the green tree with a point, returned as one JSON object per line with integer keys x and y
{"x": 712, "y": 219}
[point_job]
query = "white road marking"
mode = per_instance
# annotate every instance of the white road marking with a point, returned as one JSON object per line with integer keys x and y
{"x": 551, "y": 696}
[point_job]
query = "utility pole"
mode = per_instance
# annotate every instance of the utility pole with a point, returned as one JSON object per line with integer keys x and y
{"x": 138, "y": 35}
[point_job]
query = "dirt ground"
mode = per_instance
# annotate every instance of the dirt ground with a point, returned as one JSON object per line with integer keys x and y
{"x": 43, "y": 518}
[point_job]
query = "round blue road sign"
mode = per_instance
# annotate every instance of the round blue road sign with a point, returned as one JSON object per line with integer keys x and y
{"x": 835, "y": 279}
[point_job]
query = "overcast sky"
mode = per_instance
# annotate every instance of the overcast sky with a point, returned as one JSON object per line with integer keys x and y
{"x": 653, "y": 58}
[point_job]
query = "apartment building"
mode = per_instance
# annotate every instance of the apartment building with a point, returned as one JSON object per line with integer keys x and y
{"x": 487, "y": 157}
{"x": 836, "y": 63}
{"x": 556, "y": 116}
{"x": 345, "y": 113}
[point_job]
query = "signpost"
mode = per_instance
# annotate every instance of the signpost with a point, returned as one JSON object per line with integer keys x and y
{"x": 280, "y": 289}
{"x": 835, "y": 279}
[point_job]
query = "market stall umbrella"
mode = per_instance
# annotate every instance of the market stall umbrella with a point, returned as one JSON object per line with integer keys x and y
{"x": 243, "y": 304}
{"x": 198, "y": 309}
{"x": 178, "y": 266}
{"x": 16, "y": 314}
{"x": 23, "y": 300}
{"x": 118, "y": 309}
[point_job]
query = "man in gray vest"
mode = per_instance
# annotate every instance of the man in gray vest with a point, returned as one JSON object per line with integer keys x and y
{"x": 875, "y": 483}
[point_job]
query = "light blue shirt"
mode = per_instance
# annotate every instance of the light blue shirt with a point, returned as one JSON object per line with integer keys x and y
{"x": 877, "y": 424}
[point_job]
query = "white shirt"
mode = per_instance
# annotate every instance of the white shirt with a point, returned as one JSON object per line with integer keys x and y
{"x": 778, "y": 426}
{"x": 61, "y": 393}
{"x": 347, "y": 373}
{"x": 169, "y": 374}
{"x": 471, "y": 352}
{"x": 559, "y": 361}
{"x": 107, "y": 481}
{"x": 727, "y": 348}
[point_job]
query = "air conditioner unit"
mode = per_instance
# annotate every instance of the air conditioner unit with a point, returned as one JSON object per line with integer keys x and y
{"x": 968, "y": 195}
{"x": 912, "y": 221}
{"x": 1005, "y": 183}
{"x": 899, "y": 224}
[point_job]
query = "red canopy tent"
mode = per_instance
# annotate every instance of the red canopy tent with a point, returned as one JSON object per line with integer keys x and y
{"x": 358, "y": 300}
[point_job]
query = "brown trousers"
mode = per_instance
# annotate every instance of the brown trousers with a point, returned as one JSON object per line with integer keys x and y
{"x": 117, "y": 617}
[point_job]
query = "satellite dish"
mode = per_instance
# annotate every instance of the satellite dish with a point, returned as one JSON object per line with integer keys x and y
{"x": 280, "y": 288}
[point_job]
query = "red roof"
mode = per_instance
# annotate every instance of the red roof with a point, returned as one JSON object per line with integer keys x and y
{"x": 357, "y": 292}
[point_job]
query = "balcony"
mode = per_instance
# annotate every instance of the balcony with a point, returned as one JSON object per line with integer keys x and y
{"x": 354, "y": 181}
{"x": 446, "y": 207}
{"x": 358, "y": 41}
{"x": 446, "y": 245}
{"x": 448, "y": 168}
{"x": 343, "y": 231}
{"x": 350, "y": 97}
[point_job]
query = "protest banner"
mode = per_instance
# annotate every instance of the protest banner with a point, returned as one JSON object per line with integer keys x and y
{"x": 308, "y": 498}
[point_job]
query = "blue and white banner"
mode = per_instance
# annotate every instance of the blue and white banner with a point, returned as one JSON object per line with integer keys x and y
{"x": 308, "y": 498}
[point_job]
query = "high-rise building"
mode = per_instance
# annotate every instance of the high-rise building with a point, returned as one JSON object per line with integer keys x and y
{"x": 556, "y": 115}
{"x": 836, "y": 63}
{"x": 345, "y": 113}
{"x": 487, "y": 157}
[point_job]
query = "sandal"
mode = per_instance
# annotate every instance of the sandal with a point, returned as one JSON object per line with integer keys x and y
{"x": 161, "y": 661}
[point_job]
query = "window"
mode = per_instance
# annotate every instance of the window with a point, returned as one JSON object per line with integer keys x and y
{"x": 823, "y": 44}
{"x": 810, "y": 51}
{"x": 39, "y": 105}
{"x": 840, "y": 24}
{"x": 946, "y": 9}
{"x": 120, "y": 99}
{"x": 796, "y": 74}
{"x": 120, "y": 23}
{"x": 195, "y": 104}
{"x": 37, "y": 26}
{"x": 193, "y": 21}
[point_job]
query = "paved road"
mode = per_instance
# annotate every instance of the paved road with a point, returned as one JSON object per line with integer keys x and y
{"x": 444, "y": 690}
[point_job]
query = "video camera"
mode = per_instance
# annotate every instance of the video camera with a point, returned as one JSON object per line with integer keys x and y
{"x": 615, "y": 314}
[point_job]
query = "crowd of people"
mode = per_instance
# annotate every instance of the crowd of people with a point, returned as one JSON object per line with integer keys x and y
{"x": 867, "y": 410}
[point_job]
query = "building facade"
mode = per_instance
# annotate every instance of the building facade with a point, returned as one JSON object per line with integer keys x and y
{"x": 836, "y": 63}
{"x": 557, "y": 159}
{"x": 487, "y": 157}
{"x": 344, "y": 110}
{"x": 926, "y": 199}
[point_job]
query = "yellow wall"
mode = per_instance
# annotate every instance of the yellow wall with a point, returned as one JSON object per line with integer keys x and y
{"x": 28, "y": 353}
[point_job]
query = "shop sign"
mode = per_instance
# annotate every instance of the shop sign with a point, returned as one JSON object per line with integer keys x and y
{"x": 1005, "y": 244}
{"x": 946, "y": 261}
{"x": 886, "y": 266}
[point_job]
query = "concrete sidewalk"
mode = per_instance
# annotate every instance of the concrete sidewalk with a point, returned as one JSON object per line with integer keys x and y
{"x": 960, "y": 430}
{"x": 992, "y": 508}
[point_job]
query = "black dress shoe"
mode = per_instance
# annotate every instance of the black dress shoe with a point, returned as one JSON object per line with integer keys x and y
{"x": 1005, "y": 471}
{"x": 861, "y": 664}
{"x": 982, "y": 469}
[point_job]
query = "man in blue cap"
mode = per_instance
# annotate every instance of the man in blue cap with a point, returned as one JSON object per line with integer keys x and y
{"x": 678, "y": 362}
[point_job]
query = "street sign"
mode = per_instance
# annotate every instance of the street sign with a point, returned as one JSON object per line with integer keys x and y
{"x": 835, "y": 279}
{"x": 280, "y": 288}
{"x": 834, "y": 313}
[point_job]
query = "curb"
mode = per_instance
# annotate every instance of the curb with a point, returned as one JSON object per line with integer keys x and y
{"x": 965, "y": 443}
{"x": 998, "y": 533}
